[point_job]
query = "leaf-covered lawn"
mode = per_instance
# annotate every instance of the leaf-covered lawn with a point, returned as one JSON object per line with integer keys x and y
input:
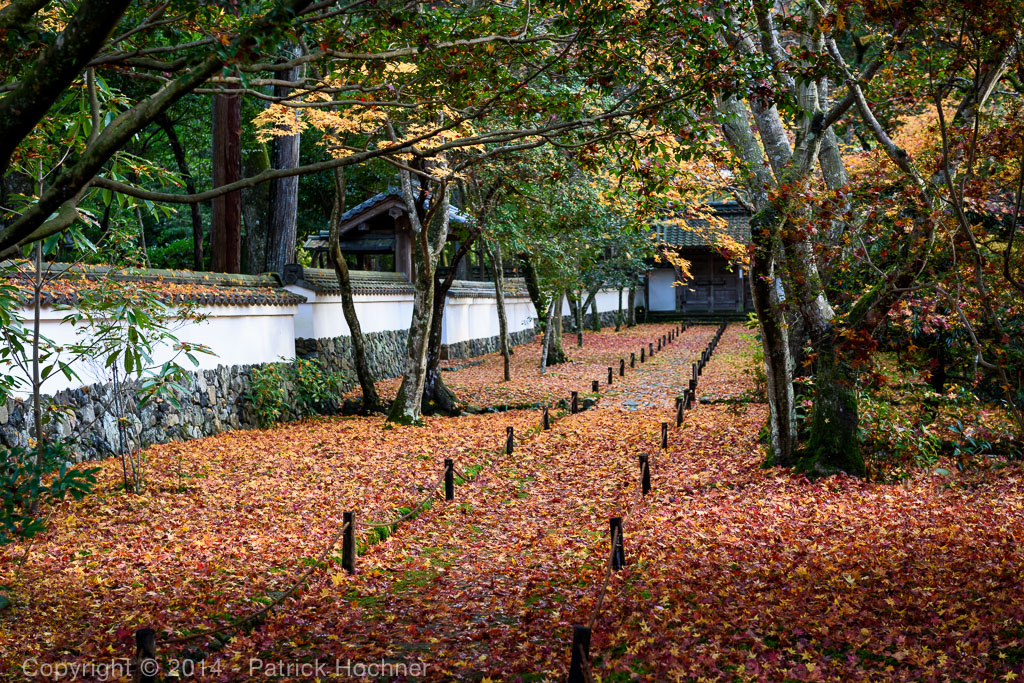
{"x": 734, "y": 572}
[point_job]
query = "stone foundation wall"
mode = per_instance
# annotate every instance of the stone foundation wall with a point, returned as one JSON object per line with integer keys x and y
{"x": 385, "y": 352}
{"x": 607, "y": 319}
{"x": 213, "y": 401}
{"x": 478, "y": 347}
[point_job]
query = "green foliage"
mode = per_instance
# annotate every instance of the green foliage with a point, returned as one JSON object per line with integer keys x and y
{"x": 300, "y": 388}
{"x": 756, "y": 367}
{"x": 33, "y": 478}
{"x": 894, "y": 439}
{"x": 268, "y": 393}
{"x": 175, "y": 254}
{"x": 315, "y": 391}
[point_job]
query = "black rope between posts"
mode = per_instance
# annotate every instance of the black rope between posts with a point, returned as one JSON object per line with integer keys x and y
{"x": 254, "y": 616}
{"x": 588, "y": 675}
{"x": 604, "y": 582}
{"x": 266, "y": 609}
{"x": 410, "y": 513}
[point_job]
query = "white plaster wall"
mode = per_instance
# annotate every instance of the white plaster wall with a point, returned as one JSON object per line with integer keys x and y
{"x": 465, "y": 318}
{"x": 236, "y": 335}
{"x": 468, "y": 318}
{"x": 322, "y": 317}
{"x": 663, "y": 294}
{"x": 607, "y": 300}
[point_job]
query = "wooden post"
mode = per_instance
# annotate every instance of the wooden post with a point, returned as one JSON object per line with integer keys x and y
{"x": 641, "y": 354}
{"x": 679, "y": 411}
{"x": 546, "y": 419}
{"x": 645, "y": 474}
{"x": 575, "y": 408}
{"x": 650, "y": 349}
{"x": 348, "y": 543}
{"x": 580, "y": 654}
{"x": 618, "y": 552}
{"x": 509, "y": 439}
{"x": 596, "y": 386}
{"x": 659, "y": 344}
{"x": 632, "y": 359}
{"x": 145, "y": 656}
{"x": 622, "y": 367}
{"x": 694, "y": 372}
{"x": 610, "y": 375}
{"x": 664, "y": 434}
{"x": 691, "y": 399}
{"x": 449, "y": 479}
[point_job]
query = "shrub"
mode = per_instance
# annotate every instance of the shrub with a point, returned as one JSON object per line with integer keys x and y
{"x": 303, "y": 387}
{"x": 33, "y": 478}
{"x": 893, "y": 438}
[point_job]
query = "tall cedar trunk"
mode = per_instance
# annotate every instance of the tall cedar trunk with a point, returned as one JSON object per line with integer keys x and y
{"x": 499, "y": 297}
{"x": 181, "y": 160}
{"x": 255, "y": 204}
{"x": 284, "y": 192}
{"x": 631, "y": 307}
{"x": 226, "y": 231}
{"x": 371, "y": 402}
{"x": 774, "y": 341}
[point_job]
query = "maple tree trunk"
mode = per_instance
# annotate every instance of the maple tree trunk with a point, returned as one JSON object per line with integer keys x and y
{"x": 774, "y": 341}
{"x": 407, "y": 406}
{"x": 437, "y": 397}
{"x": 540, "y": 302}
{"x": 226, "y": 231}
{"x": 284, "y": 192}
{"x": 371, "y": 401}
{"x": 577, "y": 318}
{"x": 429, "y": 236}
{"x": 181, "y": 160}
{"x": 556, "y": 354}
{"x": 595, "y": 324}
{"x": 499, "y": 297}
{"x": 546, "y": 339}
{"x": 832, "y": 446}
{"x": 571, "y": 298}
{"x": 618, "y": 315}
